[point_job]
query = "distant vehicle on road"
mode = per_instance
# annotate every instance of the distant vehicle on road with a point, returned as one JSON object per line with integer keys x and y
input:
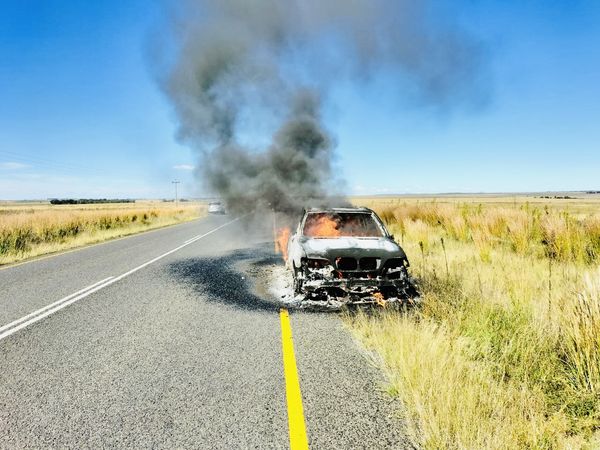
{"x": 346, "y": 256}
{"x": 216, "y": 208}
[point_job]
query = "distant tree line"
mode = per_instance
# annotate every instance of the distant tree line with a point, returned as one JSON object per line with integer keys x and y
{"x": 559, "y": 197}
{"x": 86, "y": 201}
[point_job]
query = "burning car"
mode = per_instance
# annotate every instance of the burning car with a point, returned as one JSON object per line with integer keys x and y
{"x": 346, "y": 256}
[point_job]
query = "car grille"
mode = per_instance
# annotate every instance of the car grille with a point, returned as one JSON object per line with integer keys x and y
{"x": 369, "y": 263}
{"x": 346, "y": 263}
{"x": 364, "y": 264}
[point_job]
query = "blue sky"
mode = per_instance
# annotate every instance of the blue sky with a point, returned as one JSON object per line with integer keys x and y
{"x": 80, "y": 114}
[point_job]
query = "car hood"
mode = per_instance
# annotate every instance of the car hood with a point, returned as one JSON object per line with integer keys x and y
{"x": 383, "y": 248}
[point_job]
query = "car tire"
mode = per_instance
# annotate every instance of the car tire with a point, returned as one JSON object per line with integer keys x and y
{"x": 298, "y": 280}
{"x": 409, "y": 288}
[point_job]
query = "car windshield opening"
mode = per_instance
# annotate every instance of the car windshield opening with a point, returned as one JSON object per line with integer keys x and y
{"x": 341, "y": 224}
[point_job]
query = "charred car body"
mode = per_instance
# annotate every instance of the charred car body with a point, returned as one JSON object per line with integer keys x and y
{"x": 347, "y": 256}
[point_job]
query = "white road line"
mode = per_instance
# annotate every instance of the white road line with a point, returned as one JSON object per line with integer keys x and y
{"x": 41, "y": 310}
{"x": 53, "y": 310}
{"x": 63, "y": 303}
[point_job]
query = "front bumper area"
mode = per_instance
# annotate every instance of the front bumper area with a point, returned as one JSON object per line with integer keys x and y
{"x": 357, "y": 292}
{"x": 349, "y": 281}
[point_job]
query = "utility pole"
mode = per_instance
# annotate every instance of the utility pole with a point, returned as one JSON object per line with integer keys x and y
{"x": 176, "y": 183}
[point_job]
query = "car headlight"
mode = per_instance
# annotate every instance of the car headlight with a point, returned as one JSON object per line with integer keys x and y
{"x": 316, "y": 263}
{"x": 319, "y": 267}
{"x": 395, "y": 267}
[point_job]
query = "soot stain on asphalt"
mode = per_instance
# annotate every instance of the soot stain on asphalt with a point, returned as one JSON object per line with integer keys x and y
{"x": 220, "y": 280}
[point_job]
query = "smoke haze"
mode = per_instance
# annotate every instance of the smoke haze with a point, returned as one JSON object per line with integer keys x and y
{"x": 236, "y": 69}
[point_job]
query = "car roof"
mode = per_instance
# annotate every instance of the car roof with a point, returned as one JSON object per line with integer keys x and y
{"x": 339, "y": 210}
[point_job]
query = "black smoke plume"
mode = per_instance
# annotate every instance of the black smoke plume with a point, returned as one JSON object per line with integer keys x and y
{"x": 237, "y": 69}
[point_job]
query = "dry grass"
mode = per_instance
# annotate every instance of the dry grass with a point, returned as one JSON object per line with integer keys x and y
{"x": 28, "y": 230}
{"x": 505, "y": 351}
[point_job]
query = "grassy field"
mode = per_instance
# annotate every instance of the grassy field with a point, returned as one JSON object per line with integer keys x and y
{"x": 33, "y": 229}
{"x": 505, "y": 350}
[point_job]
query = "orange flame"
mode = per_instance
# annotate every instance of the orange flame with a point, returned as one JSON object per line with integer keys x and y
{"x": 281, "y": 241}
{"x": 378, "y": 296}
{"x": 323, "y": 227}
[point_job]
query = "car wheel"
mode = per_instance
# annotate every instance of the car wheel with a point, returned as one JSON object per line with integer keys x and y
{"x": 298, "y": 281}
{"x": 297, "y": 286}
{"x": 409, "y": 287}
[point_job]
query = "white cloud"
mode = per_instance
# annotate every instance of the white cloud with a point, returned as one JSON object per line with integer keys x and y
{"x": 183, "y": 167}
{"x": 13, "y": 165}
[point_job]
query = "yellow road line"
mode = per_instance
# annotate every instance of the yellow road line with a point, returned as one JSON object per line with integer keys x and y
{"x": 297, "y": 427}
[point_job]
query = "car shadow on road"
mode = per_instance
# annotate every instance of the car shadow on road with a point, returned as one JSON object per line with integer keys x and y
{"x": 220, "y": 280}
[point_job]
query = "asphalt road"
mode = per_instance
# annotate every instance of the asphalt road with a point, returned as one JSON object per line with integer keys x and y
{"x": 174, "y": 350}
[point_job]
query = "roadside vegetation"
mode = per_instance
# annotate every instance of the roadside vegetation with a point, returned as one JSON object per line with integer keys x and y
{"x": 28, "y": 230}
{"x": 505, "y": 350}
